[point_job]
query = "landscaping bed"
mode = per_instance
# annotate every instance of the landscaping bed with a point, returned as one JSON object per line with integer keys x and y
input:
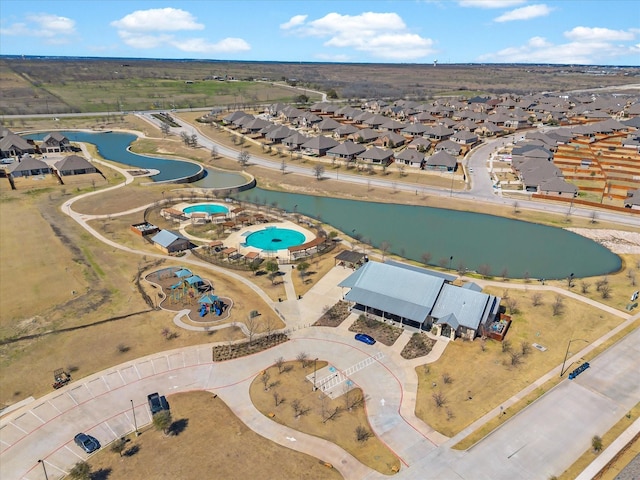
{"x": 237, "y": 350}
{"x": 334, "y": 316}
{"x": 418, "y": 346}
{"x": 382, "y": 332}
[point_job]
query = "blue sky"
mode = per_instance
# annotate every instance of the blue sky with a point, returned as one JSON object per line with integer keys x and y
{"x": 408, "y": 31}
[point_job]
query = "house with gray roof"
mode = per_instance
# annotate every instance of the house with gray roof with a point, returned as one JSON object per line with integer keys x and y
{"x": 344, "y": 131}
{"x": 346, "y": 150}
{"x": 442, "y": 161}
{"x": 28, "y": 166}
{"x": 449, "y": 146}
{"x": 294, "y": 141}
{"x": 410, "y": 157}
{"x": 55, "y": 142}
{"x": 326, "y": 125}
{"x": 366, "y": 135}
{"x": 376, "y": 156}
{"x": 13, "y": 145}
{"x": 318, "y": 146}
{"x": 558, "y": 187}
{"x": 633, "y": 200}
{"x": 74, "y": 165}
{"x": 390, "y": 139}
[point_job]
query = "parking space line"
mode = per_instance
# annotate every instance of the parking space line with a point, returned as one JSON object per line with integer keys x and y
{"x": 13, "y": 424}
{"x": 137, "y": 372}
{"x": 115, "y": 435}
{"x": 49, "y": 402}
{"x": 72, "y": 451}
{"x": 105, "y": 382}
{"x": 122, "y": 378}
{"x": 33, "y": 413}
{"x": 71, "y": 396}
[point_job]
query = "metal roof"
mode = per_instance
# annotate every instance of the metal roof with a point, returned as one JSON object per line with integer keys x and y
{"x": 404, "y": 292}
{"x": 467, "y": 305}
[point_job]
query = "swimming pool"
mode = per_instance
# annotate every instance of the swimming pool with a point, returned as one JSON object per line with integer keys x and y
{"x": 274, "y": 238}
{"x": 206, "y": 208}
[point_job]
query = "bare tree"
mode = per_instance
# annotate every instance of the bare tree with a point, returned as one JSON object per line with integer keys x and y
{"x": 450, "y": 415}
{"x": 425, "y": 258}
{"x": 536, "y": 299}
{"x": 506, "y": 346}
{"x": 243, "y": 158}
{"x": 283, "y": 165}
{"x": 558, "y": 305}
{"x": 594, "y": 216}
{"x": 525, "y": 348}
{"x": 303, "y": 358}
{"x": 118, "y": 445}
{"x": 298, "y": 408}
{"x": 516, "y": 359}
{"x": 584, "y": 286}
{"x": 362, "y": 434}
{"x": 264, "y": 378}
{"x": 277, "y": 398}
{"x": 484, "y": 270}
{"x": 516, "y": 207}
{"x": 601, "y": 283}
{"x": 280, "y": 364}
{"x": 384, "y": 248}
{"x": 352, "y": 399}
{"x": 512, "y": 303}
{"x": 165, "y": 129}
{"x": 214, "y": 151}
{"x": 504, "y": 273}
{"x": 462, "y": 268}
{"x": 318, "y": 171}
{"x": 252, "y": 327}
{"x": 439, "y": 399}
{"x": 446, "y": 378}
{"x": 631, "y": 275}
{"x": 605, "y": 291}
{"x": 526, "y": 276}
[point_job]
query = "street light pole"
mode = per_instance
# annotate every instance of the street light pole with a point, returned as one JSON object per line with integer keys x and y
{"x": 562, "y": 370}
{"x": 135, "y": 424}
{"x": 450, "y": 261}
{"x": 314, "y": 374}
{"x": 44, "y": 469}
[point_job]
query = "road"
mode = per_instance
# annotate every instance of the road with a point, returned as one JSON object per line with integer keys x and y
{"x": 481, "y": 186}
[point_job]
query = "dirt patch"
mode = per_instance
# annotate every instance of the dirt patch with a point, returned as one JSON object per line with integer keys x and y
{"x": 211, "y": 443}
{"x": 419, "y": 345}
{"x": 382, "y": 332}
{"x": 334, "y": 316}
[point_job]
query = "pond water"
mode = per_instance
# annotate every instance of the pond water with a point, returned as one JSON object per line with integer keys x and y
{"x": 472, "y": 239}
{"x": 450, "y": 237}
{"x": 114, "y": 146}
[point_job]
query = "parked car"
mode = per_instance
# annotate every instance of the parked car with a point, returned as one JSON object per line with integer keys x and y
{"x": 157, "y": 403}
{"x": 363, "y": 337}
{"x": 86, "y": 442}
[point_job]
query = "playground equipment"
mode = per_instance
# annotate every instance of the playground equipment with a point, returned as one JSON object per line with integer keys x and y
{"x": 61, "y": 378}
{"x": 203, "y": 310}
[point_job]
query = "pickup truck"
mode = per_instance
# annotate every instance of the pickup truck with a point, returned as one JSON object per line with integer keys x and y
{"x": 157, "y": 403}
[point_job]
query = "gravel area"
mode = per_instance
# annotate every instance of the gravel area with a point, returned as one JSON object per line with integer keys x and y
{"x": 617, "y": 241}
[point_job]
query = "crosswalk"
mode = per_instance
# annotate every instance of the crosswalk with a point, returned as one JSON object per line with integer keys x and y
{"x": 329, "y": 382}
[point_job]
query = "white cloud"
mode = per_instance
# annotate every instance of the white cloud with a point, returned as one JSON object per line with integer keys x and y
{"x": 294, "y": 21}
{"x": 200, "y": 45}
{"x": 581, "y": 51}
{"x": 157, "y": 19}
{"x": 381, "y": 35}
{"x": 490, "y": 3}
{"x": 524, "y": 13}
{"x": 598, "y": 34}
{"x": 139, "y": 40}
{"x": 53, "y": 28}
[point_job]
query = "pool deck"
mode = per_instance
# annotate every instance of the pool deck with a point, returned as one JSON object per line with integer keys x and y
{"x": 237, "y": 239}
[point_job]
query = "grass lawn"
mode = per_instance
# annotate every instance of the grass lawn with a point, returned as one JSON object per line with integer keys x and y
{"x": 292, "y": 386}
{"x": 481, "y": 380}
{"x": 212, "y": 443}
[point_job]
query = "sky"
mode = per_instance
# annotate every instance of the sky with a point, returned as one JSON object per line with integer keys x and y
{"x": 589, "y": 32}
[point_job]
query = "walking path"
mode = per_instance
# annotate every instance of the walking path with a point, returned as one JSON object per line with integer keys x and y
{"x": 99, "y": 403}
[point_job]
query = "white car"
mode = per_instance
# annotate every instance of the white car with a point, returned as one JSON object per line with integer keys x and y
{"x": 470, "y": 170}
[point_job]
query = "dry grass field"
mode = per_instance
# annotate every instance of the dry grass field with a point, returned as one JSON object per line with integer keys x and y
{"x": 291, "y": 385}
{"x": 213, "y": 443}
{"x": 490, "y": 376}
{"x": 83, "y": 85}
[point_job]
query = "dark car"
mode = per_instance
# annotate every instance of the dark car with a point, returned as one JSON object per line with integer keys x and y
{"x": 363, "y": 337}
{"x": 86, "y": 442}
{"x": 157, "y": 403}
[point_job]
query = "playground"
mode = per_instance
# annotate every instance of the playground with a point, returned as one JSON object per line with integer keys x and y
{"x": 180, "y": 289}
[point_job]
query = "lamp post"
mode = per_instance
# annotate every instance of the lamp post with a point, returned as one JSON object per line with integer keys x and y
{"x": 135, "y": 424}
{"x": 562, "y": 370}
{"x": 41, "y": 462}
{"x": 450, "y": 261}
{"x": 314, "y": 374}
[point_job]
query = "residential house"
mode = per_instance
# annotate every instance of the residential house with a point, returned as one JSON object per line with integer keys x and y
{"x": 294, "y": 141}
{"x": 449, "y": 146}
{"x": 318, "y": 146}
{"x": 346, "y": 150}
{"x": 28, "y": 166}
{"x": 390, "y": 139}
{"x": 557, "y": 187}
{"x": 366, "y": 135}
{"x": 376, "y": 156}
{"x": 13, "y": 145}
{"x": 633, "y": 200}
{"x": 442, "y": 161}
{"x": 74, "y": 165}
{"x": 410, "y": 157}
{"x": 54, "y": 143}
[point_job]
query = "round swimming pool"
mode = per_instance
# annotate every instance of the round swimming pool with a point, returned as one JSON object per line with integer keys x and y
{"x": 274, "y": 238}
{"x": 206, "y": 208}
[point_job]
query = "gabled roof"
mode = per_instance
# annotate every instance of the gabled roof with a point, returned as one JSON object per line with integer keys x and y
{"x": 295, "y": 139}
{"x": 399, "y": 291}
{"x": 465, "y": 305}
{"x": 328, "y": 124}
{"x": 165, "y": 238}
{"x": 442, "y": 158}
{"x": 557, "y": 184}
{"x": 28, "y": 163}
{"x": 376, "y": 153}
{"x": 320, "y": 143}
{"x": 72, "y": 162}
{"x": 411, "y": 155}
{"x": 346, "y": 148}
